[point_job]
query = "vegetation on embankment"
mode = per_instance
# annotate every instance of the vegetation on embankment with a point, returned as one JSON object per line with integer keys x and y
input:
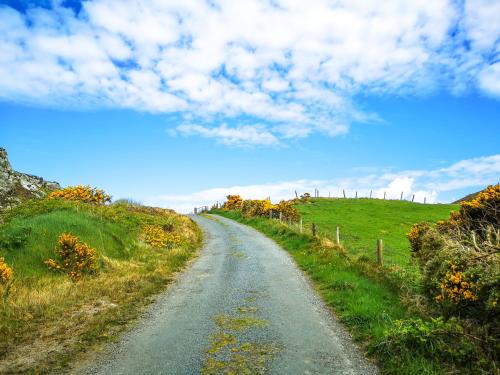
{"x": 385, "y": 308}
{"x": 48, "y": 318}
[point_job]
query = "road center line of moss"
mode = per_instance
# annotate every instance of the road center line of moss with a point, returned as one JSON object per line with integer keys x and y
{"x": 231, "y": 351}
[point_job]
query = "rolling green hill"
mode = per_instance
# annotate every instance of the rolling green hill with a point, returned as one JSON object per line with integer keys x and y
{"x": 363, "y": 221}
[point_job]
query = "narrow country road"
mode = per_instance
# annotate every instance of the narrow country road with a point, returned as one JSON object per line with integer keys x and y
{"x": 243, "y": 307}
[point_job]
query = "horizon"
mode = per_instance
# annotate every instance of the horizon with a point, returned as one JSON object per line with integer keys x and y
{"x": 179, "y": 104}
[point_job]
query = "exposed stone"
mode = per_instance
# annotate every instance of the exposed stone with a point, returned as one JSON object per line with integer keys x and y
{"x": 16, "y": 186}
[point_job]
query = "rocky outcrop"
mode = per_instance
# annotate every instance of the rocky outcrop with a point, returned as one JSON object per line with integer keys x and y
{"x": 16, "y": 187}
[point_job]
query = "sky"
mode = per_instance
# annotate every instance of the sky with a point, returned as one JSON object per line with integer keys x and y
{"x": 179, "y": 103}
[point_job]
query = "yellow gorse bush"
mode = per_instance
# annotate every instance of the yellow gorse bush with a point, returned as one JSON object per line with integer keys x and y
{"x": 234, "y": 202}
{"x": 415, "y": 235}
{"x": 256, "y": 207}
{"x": 77, "y": 257}
{"x": 460, "y": 258}
{"x": 6, "y": 272}
{"x": 262, "y": 207}
{"x": 81, "y": 193}
{"x": 156, "y": 236}
{"x": 456, "y": 287}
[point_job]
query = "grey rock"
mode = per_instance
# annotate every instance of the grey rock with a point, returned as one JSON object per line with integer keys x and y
{"x": 16, "y": 186}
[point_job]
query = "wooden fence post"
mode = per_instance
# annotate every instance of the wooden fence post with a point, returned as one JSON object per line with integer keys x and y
{"x": 343, "y": 191}
{"x": 413, "y": 198}
{"x": 195, "y": 211}
{"x": 380, "y": 252}
{"x": 338, "y": 236}
{"x": 270, "y": 214}
{"x": 384, "y": 195}
{"x": 401, "y": 196}
{"x": 296, "y": 195}
{"x": 371, "y": 193}
{"x": 313, "y": 228}
{"x": 425, "y": 198}
{"x": 281, "y": 215}
{"x": 356, "y": 195}
{"x": 300, "y": 225}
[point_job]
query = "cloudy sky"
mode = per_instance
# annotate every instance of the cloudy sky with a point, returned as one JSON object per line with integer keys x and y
{"x": 177, "y": 103}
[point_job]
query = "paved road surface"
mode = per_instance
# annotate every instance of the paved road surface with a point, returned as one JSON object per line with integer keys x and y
{"x": 243, "y": 306}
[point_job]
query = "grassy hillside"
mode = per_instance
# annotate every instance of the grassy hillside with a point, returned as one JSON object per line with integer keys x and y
{"x": 363, "y": 221}
{"x": 46, "y": 319}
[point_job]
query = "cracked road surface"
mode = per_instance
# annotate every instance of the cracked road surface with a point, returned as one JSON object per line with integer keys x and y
{"x": 242, "y": 307}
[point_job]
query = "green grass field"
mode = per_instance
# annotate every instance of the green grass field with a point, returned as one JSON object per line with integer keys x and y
{"x": 363, "y": 221}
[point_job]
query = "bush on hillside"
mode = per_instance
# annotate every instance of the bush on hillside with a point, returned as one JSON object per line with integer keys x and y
{"x": 6, "y": 272}
{"x": 256, "y": 207}
{"x": 460, "y": 258}
{"x": 76, "y": 257}
{"x": 447, "y": 340}
{"x": 305, "y": 197}
{"x": 287, "y": 209}
{"x": 81, "y": 193}
{"x": 234, "y": 202}
{"x": 157, "y": 236}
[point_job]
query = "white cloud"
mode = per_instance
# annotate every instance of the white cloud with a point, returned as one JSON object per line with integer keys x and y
{"x": 236, "y": 136}
{"x": 429, "y": 185}
{"x": 293, "y": 66}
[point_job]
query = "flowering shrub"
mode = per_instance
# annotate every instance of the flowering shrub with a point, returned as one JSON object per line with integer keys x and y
{"x": 305, "y": 197}
{"x": 262, "y": 207}
{"x": 77, "y": 257}
{"x": 81, "y": 193}
{"x": 5, "y": 272}
{"x": 457, "y": 287}
{"x": 156, "y": 236}
{"x": 256, "y": 207}
{"x": 460, "y": 258}
{"x": 287, "y": 210}
{"x": 415, "y": 235}
{"x": 234, "y": 202}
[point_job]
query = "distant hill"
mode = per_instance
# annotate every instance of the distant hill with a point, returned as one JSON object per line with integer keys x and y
{"x": 468, "y": 197}
{"x": 16, "y": 186}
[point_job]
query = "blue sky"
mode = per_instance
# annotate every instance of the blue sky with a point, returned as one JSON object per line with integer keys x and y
{"x": 177, "y": 104}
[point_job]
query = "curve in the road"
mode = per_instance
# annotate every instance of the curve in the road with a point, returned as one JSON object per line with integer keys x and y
{"x": 243, "y": 307}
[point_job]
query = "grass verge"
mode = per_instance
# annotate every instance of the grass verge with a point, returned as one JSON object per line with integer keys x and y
{"x": 47, "y": 321}
{"x": 366, "y": 300}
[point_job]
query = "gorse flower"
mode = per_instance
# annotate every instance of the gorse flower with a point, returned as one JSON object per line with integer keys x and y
{"x": 457, "y": 287}
{"x": 234, "y": 202}
{"x": 77, "y": 257}
{"x": 81, "y": 193}
{"x": 262, "y": 207}
{"x": 6, "y": 272}
{"x": 156, "y": 236}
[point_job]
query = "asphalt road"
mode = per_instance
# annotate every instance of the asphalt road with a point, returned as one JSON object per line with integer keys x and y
{"x": 243, "y": 307}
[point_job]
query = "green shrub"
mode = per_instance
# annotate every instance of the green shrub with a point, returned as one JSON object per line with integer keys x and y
{"x": 437, "y": 338}
{"x": 460, "y": 259}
